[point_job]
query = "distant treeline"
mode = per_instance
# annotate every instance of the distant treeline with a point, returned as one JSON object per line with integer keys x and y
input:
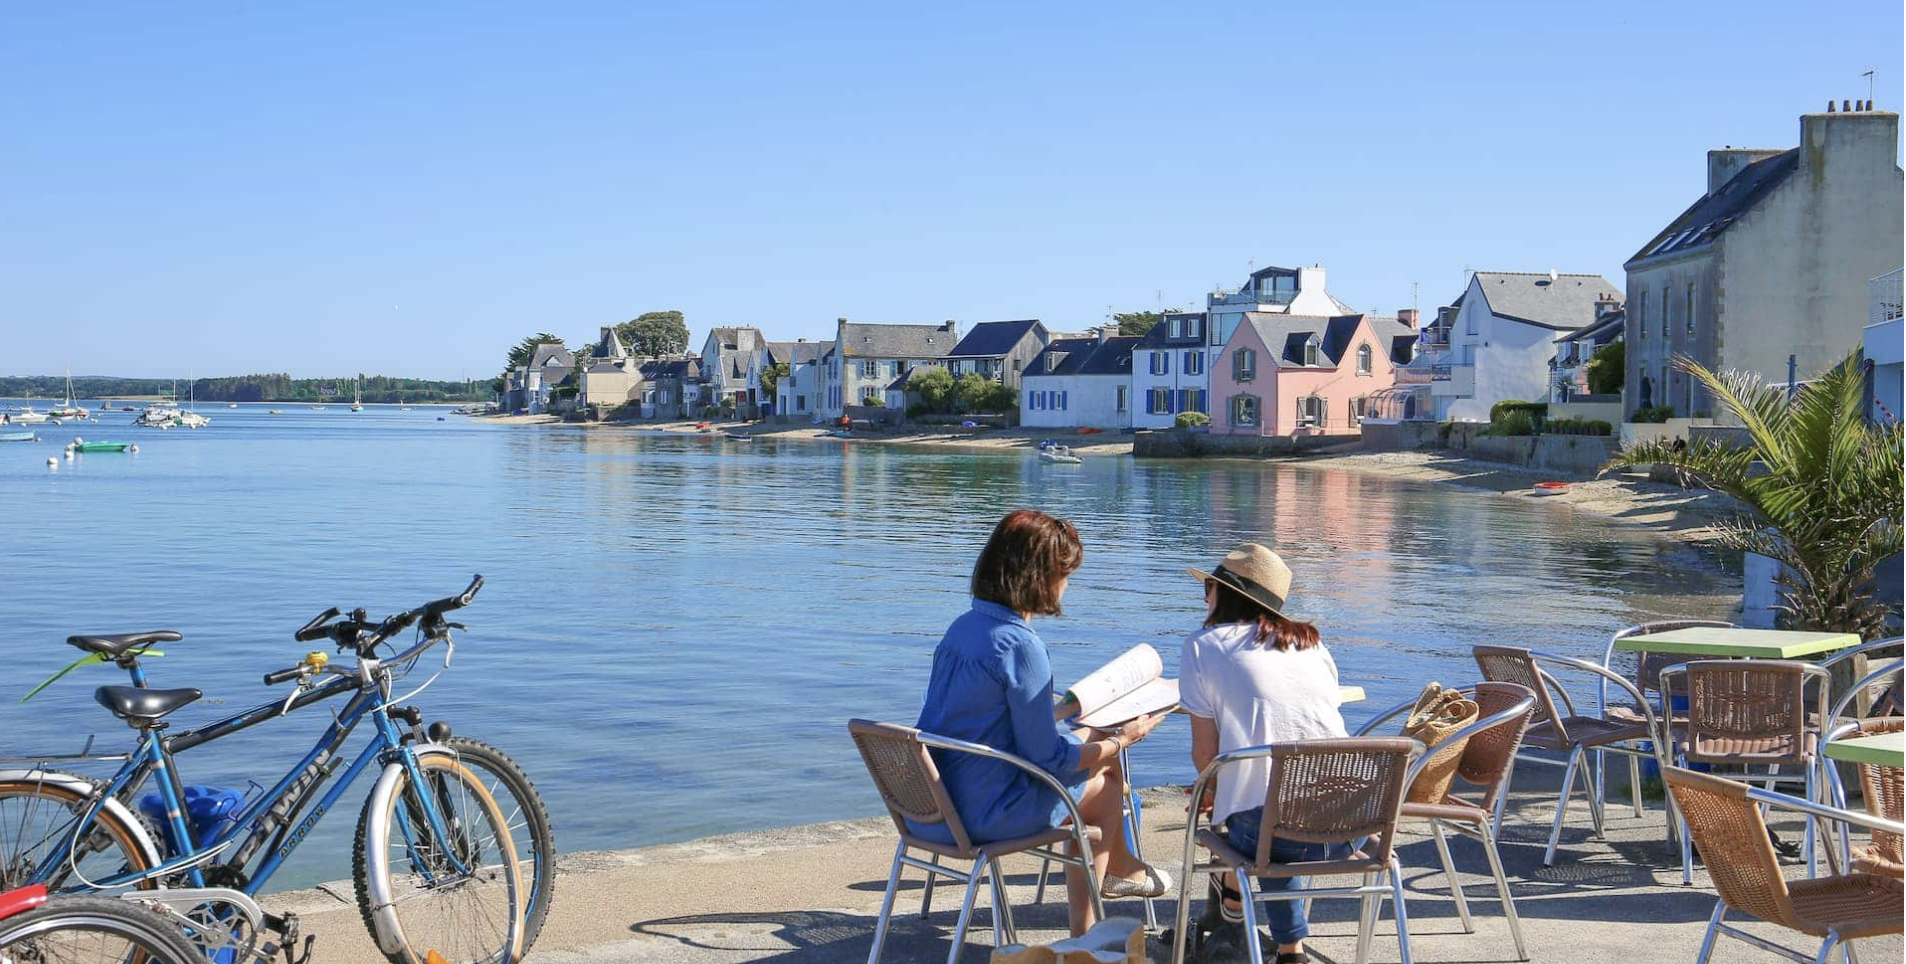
{"x": 277, "y": 387}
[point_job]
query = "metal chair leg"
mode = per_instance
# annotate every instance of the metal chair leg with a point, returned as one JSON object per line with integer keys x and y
{"x": 1713, "y": 931}
{"x": 1134, "y": 834}
{"x": 1366, "y": 921}
{"x": 926, "y": 897}
{"x": 886, "y": 904}
{"x": 1003, "y": 930}
{"x": 1561, "y": 805}
{"x": 1249, "y": 902}
{"x": 1808, "y": 836}
{"x": 1502, "y": 891}
{"x": 1449, "y": 871}
{"x": 966, "y": 911}
{"x": 1826, "y": 949}
{"x": 1593, "y": 793}
{"x": 1402, "y": 912}
{"x": 1634, "y": 782}
{"x": 1045, "y": 871}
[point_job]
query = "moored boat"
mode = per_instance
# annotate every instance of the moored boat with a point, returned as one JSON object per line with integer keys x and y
{"x": 1551, "y": 488}
{"x": 80, "y": 445}
{"x": 18, "y": 437}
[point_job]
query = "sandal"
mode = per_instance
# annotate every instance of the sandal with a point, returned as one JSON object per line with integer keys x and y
{"x": 1219, "y": 893}
{"x": 1293, "y": 957}
{"x": 1153, "y": 884}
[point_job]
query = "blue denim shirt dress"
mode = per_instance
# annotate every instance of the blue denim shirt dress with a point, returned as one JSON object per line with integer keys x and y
{"x": 992, "y": 684}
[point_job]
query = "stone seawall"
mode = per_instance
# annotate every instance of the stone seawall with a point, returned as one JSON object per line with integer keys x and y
{"x": 1180, "y": 444}
{"x": 1579, "y": 456}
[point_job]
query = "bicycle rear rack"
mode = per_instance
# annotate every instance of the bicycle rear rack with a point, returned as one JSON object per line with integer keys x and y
{"x": 85, "y": 754}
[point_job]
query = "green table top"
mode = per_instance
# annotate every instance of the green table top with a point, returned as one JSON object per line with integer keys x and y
{"x": 1752, "y": 643}
{"x": 1885, "y": 749}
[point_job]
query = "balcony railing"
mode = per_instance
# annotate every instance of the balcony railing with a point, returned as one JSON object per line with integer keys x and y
{"x": 1249, "y": 297}
{"x": 1884, "y": 298}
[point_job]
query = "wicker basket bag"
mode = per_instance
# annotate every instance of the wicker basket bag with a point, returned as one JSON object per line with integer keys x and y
{"x": 1438, "y": 713}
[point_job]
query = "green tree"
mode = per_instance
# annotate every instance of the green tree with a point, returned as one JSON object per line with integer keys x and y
{"x": 935, "y": 387}
{"x": 1000, "y": 400}
{"x": 655, "y": 333}
{"x": 1820, "y": 485}
{"x": 975, "y": 390}
{"x": 1137, "y": 322}
{"x": 1608, "y": 369}
{"x": 526, "y": 349}
{"x": 771, "y": 376}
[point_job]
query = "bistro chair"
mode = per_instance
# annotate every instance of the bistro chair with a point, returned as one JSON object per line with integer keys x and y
{"x": 1724, "y": 817}
{"x": 1571, "y": 733}
{"x": 1332, "y": 791}
{"x": 1881, "y": 787}
{"x": 1647, "y": 679}
{"x": 1751, "y": 713}
{"x": 903, "y": 771}
{"x": 1488, "y": 761}
{"x": 1888, "y": 703}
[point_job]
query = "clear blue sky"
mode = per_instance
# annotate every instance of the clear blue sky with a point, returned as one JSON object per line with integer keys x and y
{"x": 321, "y": 188}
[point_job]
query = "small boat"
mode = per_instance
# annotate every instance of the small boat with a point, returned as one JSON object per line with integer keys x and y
{"x": 1059, "y": 454}
{"x": 737, "y": 437}
{"x": 19, "y": 437}
{"x": 80, "y": 445}
{"x": 67, "y": 409}
{"x": 232, "y": 405}
{"x": 273, "y": 412}
{"x": 27, "y": 416}
{"x": 1551, "y": 488}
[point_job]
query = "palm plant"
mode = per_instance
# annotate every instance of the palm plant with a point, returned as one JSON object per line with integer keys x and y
{"x": 1820, "y": 488}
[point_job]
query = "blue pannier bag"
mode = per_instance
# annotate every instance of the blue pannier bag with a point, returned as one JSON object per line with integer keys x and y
{"x": 211, "y": 810}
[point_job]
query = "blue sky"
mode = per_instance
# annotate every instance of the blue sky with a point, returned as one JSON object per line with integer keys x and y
{"x": 223, "y": 187}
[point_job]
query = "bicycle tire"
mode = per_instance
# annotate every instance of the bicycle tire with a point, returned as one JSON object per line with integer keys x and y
{"x": 482, "y": 831}
{"x": 64, "y": 804}
{"x": 61, "y": 928}
{"x": 523, "y": 809}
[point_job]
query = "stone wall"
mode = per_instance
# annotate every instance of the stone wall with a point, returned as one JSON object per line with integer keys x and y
{"x": 1401, "y": 436}
{"x": 1179, "y": 444}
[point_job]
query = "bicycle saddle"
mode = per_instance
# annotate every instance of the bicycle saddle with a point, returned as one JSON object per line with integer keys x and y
{"x": 133, "y": 703}
{"x": 116, "y": 645}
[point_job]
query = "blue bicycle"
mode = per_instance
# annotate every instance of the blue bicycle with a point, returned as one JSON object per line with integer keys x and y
{"x": 443, "y": 871}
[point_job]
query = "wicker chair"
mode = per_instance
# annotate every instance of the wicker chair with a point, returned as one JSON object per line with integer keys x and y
{"x": 1331, "y": 791}
{"x": 1488, "y": 761}
{"x": 1647, "y": 679}
{"x": 1751, "y": 713}
{"x": 1881, "y": 786}
{"x": 1571, "y": 733}
{"x": 1724, "y": 817}
{"x": 909, "y": 784}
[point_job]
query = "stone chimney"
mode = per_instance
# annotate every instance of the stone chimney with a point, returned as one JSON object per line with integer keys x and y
{"x": 1723, "y": 164}
{"x": 1104, "y": 332}
{"x": 1407, "y": 316}
{"x": 1311, "y": 278}
{"x": 1856, "y": 137}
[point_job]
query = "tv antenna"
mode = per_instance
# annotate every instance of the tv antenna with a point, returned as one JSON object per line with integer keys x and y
{"x": 1869, "y": 82}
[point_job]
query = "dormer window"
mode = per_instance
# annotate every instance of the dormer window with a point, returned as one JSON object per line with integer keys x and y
{"x": 1311, "y": 353}
{"x": 1363, "y": 359}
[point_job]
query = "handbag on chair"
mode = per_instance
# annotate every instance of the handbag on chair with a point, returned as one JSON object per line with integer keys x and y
{"x": 1438, "y": 714}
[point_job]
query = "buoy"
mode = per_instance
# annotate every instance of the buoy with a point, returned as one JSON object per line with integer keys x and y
{"x": 134, "y": 450}
{"x": 69, "y": 455}
{"x": 52, "y": 462}
{"x": 77, "y": 441}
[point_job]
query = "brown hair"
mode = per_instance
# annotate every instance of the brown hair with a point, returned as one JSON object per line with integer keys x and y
{"x": 1279, "y": 633}
{"x": 1021, "y": 566}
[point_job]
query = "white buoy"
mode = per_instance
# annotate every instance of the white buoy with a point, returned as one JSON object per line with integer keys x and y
{"x": 134, "y": 450}
{"x": 52, "y": 462}
{"x": 77, "y": 441}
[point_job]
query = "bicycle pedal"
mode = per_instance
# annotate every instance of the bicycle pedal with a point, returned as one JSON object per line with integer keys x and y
{"x": 302, "y": 957}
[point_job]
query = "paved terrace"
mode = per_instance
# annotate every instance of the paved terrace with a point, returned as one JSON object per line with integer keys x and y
{"x": 808, "y": 895}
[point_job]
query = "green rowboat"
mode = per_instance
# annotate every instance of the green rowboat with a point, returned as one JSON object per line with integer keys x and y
{"x": 101, "y": 446}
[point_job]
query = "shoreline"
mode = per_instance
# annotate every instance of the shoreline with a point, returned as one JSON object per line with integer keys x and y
{"x": 1688, "y": 515}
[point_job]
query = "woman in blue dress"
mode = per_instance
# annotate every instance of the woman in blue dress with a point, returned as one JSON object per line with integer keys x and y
{"x": 992, "y": 684}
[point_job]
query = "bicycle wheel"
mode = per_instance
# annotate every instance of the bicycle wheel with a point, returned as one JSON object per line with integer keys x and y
{"x": 457, "y": 896}
{"x": 93, "y": 930}
{"x": 38, "y": 814}
{"x": 528, "y": 820}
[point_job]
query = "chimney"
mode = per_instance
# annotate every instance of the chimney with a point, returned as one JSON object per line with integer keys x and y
{"x": 1407, "y": 316}
{"x": 1723, "y": 164}
{"x": 1105, "y": 331}
{"x": 950, "y": 326}
{"x": 1605, "y": 304}
{"x": 1851, "y": 141}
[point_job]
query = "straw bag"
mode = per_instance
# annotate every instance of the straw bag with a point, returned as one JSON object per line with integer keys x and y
{"x": 1118, "y": 940}
{"x": 1438, "y": 713}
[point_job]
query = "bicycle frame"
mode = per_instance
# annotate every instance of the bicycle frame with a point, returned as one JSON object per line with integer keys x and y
{"x": 154, "y": 757}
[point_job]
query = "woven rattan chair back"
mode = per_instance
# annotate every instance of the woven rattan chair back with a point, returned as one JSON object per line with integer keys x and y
{"x": 1728, "y": 831}
{"x": 1883, "y": 787}
{"x": 1747, "y": 709}
{"x": 1648, "y": 666}
{"x": 909, "y": 782}
{"x": 1336, "y": 791}
{"x": 1489, "y": 755}
{"x": 1512, "y": 664}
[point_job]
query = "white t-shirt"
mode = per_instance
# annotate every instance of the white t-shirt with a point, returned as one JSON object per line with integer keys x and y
{"x": 1258, "y": 696}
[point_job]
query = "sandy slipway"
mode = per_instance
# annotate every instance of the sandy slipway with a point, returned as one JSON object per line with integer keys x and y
{"x": 808, "y": 895}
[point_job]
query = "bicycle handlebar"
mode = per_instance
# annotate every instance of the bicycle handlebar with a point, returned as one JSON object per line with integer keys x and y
{"x": 315, "y": 629}
{"x": 350, "y": 632}
{"x": 283, "y": 675}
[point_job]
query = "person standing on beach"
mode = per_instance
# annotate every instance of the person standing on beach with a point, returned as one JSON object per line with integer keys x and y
{"x": 992, "y": 684}
{"x": 1253, "y": 676}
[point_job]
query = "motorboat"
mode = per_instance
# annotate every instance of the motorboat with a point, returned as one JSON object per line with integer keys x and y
{"x": 1551, "y": 488}
{"x": 81, "y": 445}
{"x": 1059, "y": 454}
{"x": 159, "y": 415}
{"x": 27, "y": 416}
{"x": 18, "y": 437}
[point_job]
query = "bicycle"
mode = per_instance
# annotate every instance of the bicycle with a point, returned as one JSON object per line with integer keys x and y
{"x": 435, "y": 866}
{"x": 85, "y": 930}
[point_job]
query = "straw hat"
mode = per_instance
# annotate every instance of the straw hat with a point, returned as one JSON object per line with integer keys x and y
{"x": 1255, "y": 571}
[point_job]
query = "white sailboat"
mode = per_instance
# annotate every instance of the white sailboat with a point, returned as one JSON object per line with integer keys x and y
{"x": 357, "y": 395}
{"x": 67, "y": 409}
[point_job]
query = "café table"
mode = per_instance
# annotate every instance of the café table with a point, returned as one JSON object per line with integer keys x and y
{"x": 1882, "y": 749}
{"x": 1735, "y": 642}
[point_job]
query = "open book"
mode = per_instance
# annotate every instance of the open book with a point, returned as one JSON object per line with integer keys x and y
{"x": 1124, "y": 689}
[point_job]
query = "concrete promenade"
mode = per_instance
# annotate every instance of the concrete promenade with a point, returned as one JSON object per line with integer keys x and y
{"x": 808, "y": 895}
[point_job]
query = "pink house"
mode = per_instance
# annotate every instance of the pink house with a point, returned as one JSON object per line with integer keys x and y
{"x": 1304, "y": 374}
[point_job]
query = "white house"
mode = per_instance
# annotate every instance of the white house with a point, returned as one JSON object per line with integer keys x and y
{"x": 1883, "y": 338}
{"x": 1497, "y": 340}
{"x": 1079, "y": 382}
{"x": 798, "y": 393}
{"x": 728, "y": 356}
{"x": 1283, "y": 291}
{"x": 866, "y": 358}
{"x": 1171, "y": 370}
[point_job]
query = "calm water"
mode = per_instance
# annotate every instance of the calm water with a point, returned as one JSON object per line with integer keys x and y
{"x": 674, "y": 628}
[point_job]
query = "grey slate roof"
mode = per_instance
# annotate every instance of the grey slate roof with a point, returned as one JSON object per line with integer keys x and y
{"x": 1084, "y": 356}
{"x": 1601, "y": 332}
{"x": 1564, "y": 304}
{"x": 1159, "y": 336}
{"x": 682, "y": 368}
{"x": 795, "y": 352}
{"x": 548, "y": 352}
{"x": 1711, "y": 214}
{"x": 859, "y": 340}
{"x": 1288, "y": 334}
{"x": 993, "y": 339}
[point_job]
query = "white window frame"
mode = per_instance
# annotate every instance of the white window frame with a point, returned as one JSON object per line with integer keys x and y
{"x": 1235, "y": 408}
{"x": 1244, "y": 365}
{"x": 1313, "y": 354}
{"x": 1122, "y": 397}
{"x": 1365, "y": 358}
{"x": 1194, "y": 361}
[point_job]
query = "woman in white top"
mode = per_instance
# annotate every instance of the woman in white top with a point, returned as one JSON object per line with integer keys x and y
{"x": 1252, "y": 677}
